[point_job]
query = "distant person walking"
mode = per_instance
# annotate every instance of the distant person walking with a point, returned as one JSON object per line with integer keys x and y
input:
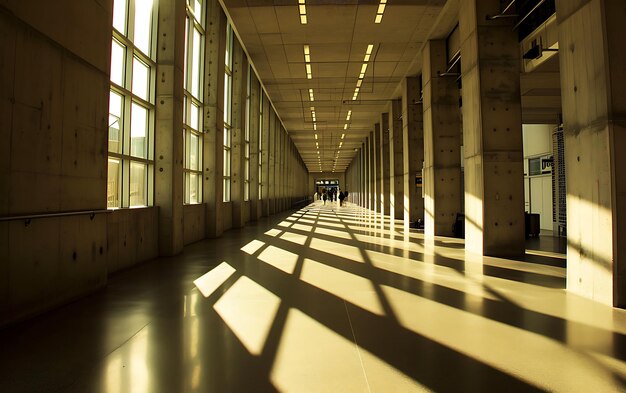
{"x": 341, "y": 196}
{"x": 324, "y": 197}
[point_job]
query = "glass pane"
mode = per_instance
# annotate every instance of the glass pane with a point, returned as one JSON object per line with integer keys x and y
{"x": 143, "y": 25}
{"x": 114, "y": 179}
{"x": 226, "y": 190}
{"x": 197, "y": 10}
{"x": 229, "y": 45}
{"x": 247, "y": 151}
{"x": 185, "y": 70}
{"x": 193, "y": 152}
{"x": 227, "y": 137}
{"x": 226, "y": 162}
{"x": 247, "y": 171}
{"x": 138, "y": 180}
{"x": 138, "y": 131}
{"x": 119, "y": 15}
{"x": 193, "y": 188}
{"x": 195, "y": 117}
{"x": 115, "y": 119}
{"x": 141, "y": 78}
{"x": 118, "y": 54}
{"x": 227, "y": 98}
{"x": 195, "y": 64}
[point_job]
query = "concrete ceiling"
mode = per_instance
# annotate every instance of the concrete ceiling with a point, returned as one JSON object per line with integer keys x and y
{"x": 338, "y": 34}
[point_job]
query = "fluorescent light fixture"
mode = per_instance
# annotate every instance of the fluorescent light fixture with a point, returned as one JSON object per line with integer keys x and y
{"x": 343, "y": 136}
{"x": 314, "y": 126}
{"x": 302, "y": 11}
{"x": 307, "y": 50}
{"x": 315, "y": 136}
{"x": 366, "y": 58}
{"x": 359, "y": 82}
{"x": 345, "y": 126}
{"x": 311, "y": 97}
{"x": 369, "y": 49}
{"x": 348, "y": 116}
{"x": 363, "y": 68}
{"x": 308, "y": 68}
{"x": 380, "y": 11}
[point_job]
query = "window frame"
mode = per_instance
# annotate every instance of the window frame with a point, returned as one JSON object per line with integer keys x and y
{"x": 121, "y": 196}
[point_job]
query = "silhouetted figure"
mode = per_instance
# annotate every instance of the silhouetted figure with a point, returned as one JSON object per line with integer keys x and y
{"x": 324, "y": 197}
{"x": 341, "y": 196}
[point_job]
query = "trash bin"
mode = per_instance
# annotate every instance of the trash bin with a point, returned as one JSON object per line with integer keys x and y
{"x": 532, "y": 224}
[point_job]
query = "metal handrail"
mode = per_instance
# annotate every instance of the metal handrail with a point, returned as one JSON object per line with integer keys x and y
{"x": 91, "y": 213}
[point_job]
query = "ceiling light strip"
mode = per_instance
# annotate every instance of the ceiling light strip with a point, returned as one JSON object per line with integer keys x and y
{"x": 379, "y": 12}
{"x": 302, "y": 11}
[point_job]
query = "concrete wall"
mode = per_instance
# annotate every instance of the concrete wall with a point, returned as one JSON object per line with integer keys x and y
{"x": 53, "y": 114}
{"x": 194, "y": 224}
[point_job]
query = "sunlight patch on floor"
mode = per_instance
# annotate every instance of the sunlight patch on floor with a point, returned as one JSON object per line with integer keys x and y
{"x": 281, "y": 259}
{"x": 252, "y": 247}
{"x": 350, "y": 287}
{"x": 249, "y": 311}
{"x": 351, "y": 253}
{"x": 507, "y": 348}
{"x": 213, "y": 279}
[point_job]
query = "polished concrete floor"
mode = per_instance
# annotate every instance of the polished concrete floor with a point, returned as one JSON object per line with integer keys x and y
{"x": 325, "y": 299}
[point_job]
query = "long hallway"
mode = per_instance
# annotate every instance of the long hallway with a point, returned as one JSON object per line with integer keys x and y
{"x": 324, "y": 299}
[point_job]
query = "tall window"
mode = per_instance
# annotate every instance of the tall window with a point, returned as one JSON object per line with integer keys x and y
{"x": 228, "y": 87}
{"x": 261, "y": 94}
{"x": 246, "y": 142}
{"x": 131, "y": 105}
{"x": 192, "y": 131}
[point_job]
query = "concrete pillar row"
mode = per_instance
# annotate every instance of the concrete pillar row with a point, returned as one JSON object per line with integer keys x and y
{"x": 592, "y": 62}
{"x": 492, "y": 131}
{"x": 377, "y": 169}
{"x": 396, "y": 151}
{"x": 413, "y": 148}
{"x": 442, "y": 143}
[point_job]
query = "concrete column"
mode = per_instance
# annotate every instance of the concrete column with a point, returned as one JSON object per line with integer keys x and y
{"x": 255, "y": 211}
{"x": 377, "y": 169}
{"x": 413, "y": 149}
{"x": 385, "y": 186}
{"x": 271, "y": 184}
{"x": 265, "y": 156}
{"x": 494, "y": 190}
{"x": 240, "y": 75}
{"x": 213, "y": 125}
{"x": 367, "y": 184}
{"x": 591, "y": 38}
{"x": 396, "y": 151}
{"x": 374, "y": 179}
{"x": 442, "y": 143}
{"x": 168, "y": 150}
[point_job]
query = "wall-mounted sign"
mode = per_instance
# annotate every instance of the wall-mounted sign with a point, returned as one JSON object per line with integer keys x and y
{"x": 540, "y": 165}
{"x": 418, "y": 180}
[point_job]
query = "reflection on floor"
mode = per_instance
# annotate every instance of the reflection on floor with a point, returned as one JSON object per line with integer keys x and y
{"x": 328, "y": 299}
